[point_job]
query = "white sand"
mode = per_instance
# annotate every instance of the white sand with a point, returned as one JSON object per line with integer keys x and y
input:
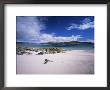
{"x": 71, "y": 62}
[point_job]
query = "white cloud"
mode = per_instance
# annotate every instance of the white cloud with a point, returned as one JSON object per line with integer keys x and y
{"x": 53, "y": 38}
{"x": 84, "y": 25}
{"x": 90, "y": 40}
{"x": 29, "y": 30}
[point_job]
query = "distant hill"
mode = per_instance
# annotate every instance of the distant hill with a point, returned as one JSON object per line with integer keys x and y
{"x": 71, "y": 42}
{"x": 60, "y": 43}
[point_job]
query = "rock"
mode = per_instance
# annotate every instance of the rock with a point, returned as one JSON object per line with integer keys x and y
{"x": 46, "y": 61}
{"x": 40, "y": 53}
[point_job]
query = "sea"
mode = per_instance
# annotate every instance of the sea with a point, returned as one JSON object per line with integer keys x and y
{"x": 65, "y": 47}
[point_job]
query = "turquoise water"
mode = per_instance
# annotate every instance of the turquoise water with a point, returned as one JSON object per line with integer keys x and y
{"x": 66, "y": 47}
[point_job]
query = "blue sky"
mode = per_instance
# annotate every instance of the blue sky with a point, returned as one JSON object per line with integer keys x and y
{"x": 42, "y": 29}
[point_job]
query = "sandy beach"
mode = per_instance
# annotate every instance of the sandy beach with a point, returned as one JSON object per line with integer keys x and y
{"x": 70, "y": 62}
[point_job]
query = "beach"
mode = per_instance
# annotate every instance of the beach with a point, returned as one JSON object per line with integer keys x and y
{"x": 68, "y": 62}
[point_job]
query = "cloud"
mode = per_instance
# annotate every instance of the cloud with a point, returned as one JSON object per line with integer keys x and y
{"x": 28, "y": 27}
{"x": 90, "y": 40}
{"x": 44, "y": 38}
{"x": 29, "y": 30}
{"x": 53, "y": 38}
{"x": 87, "y": 23}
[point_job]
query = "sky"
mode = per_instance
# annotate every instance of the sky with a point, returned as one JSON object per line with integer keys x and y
{"x": 43, "y": 29}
